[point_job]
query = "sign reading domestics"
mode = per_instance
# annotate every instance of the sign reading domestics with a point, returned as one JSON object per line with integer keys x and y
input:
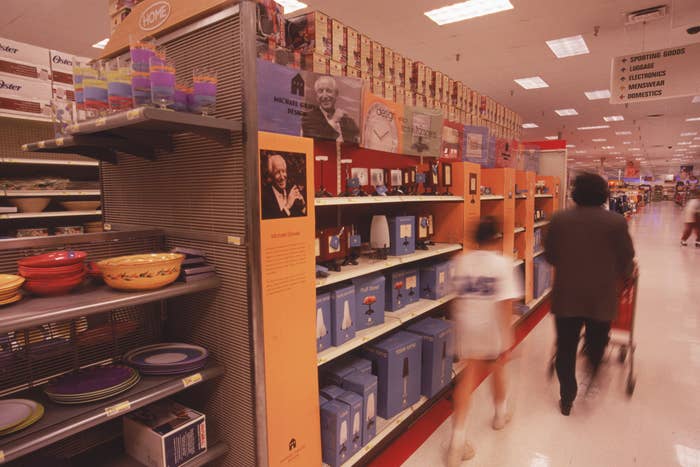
{"x": 659, "y": 74}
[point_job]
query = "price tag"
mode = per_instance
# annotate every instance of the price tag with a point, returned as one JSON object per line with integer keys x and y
{"x": 107, "y": 226}
{"x": 25, "y": 147}
{"x": 321, "y": 361}
{"x": 41, "y": 144}
{"x": 192, "y": 379}
{"x": 59, "y": 142}
{"x": 117, "y": 408}
{"x": 101, "y": 121}
{"x": 134, "y": 114}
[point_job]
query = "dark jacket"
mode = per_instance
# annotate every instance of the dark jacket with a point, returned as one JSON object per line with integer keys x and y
{"x": 592, "y": 252}
{"x": 271, "y": 209}
{"x": 315, "y": 125}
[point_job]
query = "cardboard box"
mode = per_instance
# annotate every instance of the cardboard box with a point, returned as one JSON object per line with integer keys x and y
{"x": 399, "y": 71}
{"x": 412, "y": 284}
{"x": 408, "y": 74}
{"x": 397, "y": 361}
{"x": 323, "y": 321}
{"x": 25, "y": 98}
{"x": 378, "y": 87}
{"x": 366, "y": 386}
{"x": 409, "y": 97}
{"x": 369, "y": 301}
{"x": 429, "y": 102}
{"x": 335, "y": 373}
{"x": 164, "y": 434}
{"x": 437, "y": 353}
{"x": 434, "y": 281}
{"x": 339, "y": 42}
{"x": 389, "y": 70}
{"x": 418, "y": 78}
{"x": 436, "y": 85}
{"x": 429, "y": 86}
{"x": 365, "y": 54}
{"x": 342, "y": 314}
{"x": 322, "y": 400}
{"x": 353, "y": 72}
{"x": 335, "y": 433}
{"x": 447, "y": 84}
{"x": 389, "y": 91}
{"x": 317, "y": 63}
{"x": 403, "y": 235}
{"x": 354, "y": 401}
{"x": 367, "y": 76}
{"x": 360, "y": 364}
{"x": 337, "y": 68}
{"x": 400, "y": 95}
{"x": 377, "y": 61}
{"x": 419, "y": 100}
{"x": 310, "y": 33}
{"x": 331, "y": 392}
{"x": 353, "y": 48}
{"x": 396, "y": 296}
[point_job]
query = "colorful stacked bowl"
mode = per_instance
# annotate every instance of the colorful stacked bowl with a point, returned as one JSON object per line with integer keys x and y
{"x": 9, "y": 288}
{"x": 54, "y": 273}
{"x": 141, "y": 272}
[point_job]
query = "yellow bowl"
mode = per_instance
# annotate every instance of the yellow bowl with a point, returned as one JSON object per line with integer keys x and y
{"x": 141, "y": 272}
{"x": 10, "y": 283}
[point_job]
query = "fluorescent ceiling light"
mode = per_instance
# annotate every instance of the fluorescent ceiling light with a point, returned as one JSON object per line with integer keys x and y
{"x": 467, "y": 10}
{"x": 290, "y": 6}
{"x": 566, "y": 112}
{"x": 599, "y": 140}
{"x": 690, "y": 133}
{"x": 634, "y": 149}
{"x": 570, "y": 145}
{"x": 607, "y": 147}
{"x": 684, "y": 143}
{"x": 627, "y": 142}
{"x": 601, "y": 94}
{"x": 693, "y": 119}
{"x": 621, "y": 133}
{"x": 694, "y": 146}
{"x": 534, "y": 82}
{"x": 696, "y": 100}
{"x": 568, "y": 46}
{"x": 614, "y": 118}
{"x": 102, "y": 44}
{"x": 530, "y": 125}
{"x": 581, "y": 151}
{"x": 551, "y": 137}
{"x": 597, "y": 127}
{"x": 615, "y": 152}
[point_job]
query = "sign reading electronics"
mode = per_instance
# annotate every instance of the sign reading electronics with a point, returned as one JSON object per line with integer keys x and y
{"x": 659, "y": 74}
{"x": 154, "y": 16}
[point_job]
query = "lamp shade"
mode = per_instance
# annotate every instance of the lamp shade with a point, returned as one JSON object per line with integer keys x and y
{"x": 379, "y": 232}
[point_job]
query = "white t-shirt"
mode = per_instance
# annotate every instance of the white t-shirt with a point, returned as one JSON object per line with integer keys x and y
{"x": 482, "y": 279}
{"x": 692, "y": 207}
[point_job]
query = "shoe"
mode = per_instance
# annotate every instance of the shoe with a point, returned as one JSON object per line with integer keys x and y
{"x": 500, "y": 421}
{"x": 684, "y": 243}
{"x": 455, "y": 456}
{"x": 565, "y": 407}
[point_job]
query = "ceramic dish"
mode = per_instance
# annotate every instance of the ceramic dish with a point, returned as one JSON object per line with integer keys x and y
{"x": 36, "y": 416}
{"x": 92, "y": 384}
{"x": 50, "y": 273}
{"x": 53, "y": 287}
{"x": 69, "y": 230}
{"x": 81, "y": 205}
{"x": 29, "y": 204}
{"x": 54, "y": 259}
{"x": 10, "y": 282}
{"x": 18, "y": 414}
{"x": 37, "y": 232}
{"x": 141, "y": 272}
{"x": 12, "y": 299}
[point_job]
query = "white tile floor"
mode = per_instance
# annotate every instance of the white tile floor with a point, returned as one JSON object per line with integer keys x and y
{"x": 658, "y": 426}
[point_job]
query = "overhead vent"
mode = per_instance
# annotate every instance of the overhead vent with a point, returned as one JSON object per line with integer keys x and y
{"x": 647, "y": 14}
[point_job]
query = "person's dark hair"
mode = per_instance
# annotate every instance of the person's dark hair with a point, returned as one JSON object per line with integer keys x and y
{"x": 590, "y": 190}
{"x": 486, "y": 231}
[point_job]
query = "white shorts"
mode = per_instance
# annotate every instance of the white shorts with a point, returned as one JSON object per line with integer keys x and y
{"x": 480, "y": 336}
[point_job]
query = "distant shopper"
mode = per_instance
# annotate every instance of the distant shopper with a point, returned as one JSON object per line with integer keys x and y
{"x": 486, "y": 284}
{"x": 591, "y": 251}
{"x": 691, "y": 217}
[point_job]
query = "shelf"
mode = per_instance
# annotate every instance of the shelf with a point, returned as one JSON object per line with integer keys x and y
{"x": 519, "y": 230}
{"x": 89, "y": 300}
{"x": 546, "y": 195}
{"x": 369, "y": 265}
{"x": 355, "y": 200}
{"x": 138, "y": 132}
{"x": 541, "y": 224}
{"x": 491, "y": 197}
{"x": 9, "y": 160}
{"x": 212, "y": 453}
{"x": 518, "y": 262}
{"x": 36, "y": 215}
{"x": 61, "y": 421}
{"x": 520, "y": 196}
{"x": 538, "y": 253}
{"x": 392, "y": 320}
{"x": 12, "y": 193}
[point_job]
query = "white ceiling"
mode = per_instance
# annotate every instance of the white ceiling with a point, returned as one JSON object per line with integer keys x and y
{"x": 493, "y": 50}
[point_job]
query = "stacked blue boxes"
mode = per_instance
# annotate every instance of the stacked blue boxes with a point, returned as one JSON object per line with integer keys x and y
{"x": 403, "y": 235}
{"x": 434, "y": 280}
{"x": 437, "y": 353}
{"x": 342, "y": 314}
{"x": 323, "y": 321}
{"x": 369, "y": 301}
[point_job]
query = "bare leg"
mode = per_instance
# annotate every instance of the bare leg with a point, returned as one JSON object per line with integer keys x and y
{"x": 499, "y": 389}
{"x": 687, "y": 231}
{"x": 466, "y": 384}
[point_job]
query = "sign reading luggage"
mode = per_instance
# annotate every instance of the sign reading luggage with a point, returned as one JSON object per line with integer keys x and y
{"x": 659, "y": 74}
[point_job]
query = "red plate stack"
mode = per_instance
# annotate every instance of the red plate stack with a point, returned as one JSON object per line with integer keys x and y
{"x": 55, "y": 273}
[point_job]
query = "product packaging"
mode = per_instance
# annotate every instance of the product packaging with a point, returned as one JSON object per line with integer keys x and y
{"x": 418, "y": 78}
{"x": 409, "y": 83}
{"x": 317, "y": 63}
{"x": 436, "y": 85}
{"x": 447, "y": 84}
{"x": 365, "y": 55}
{"x": 310, "y": 33}
{"x": 378, "y": 87}
{"x": 429, "y": 102}
{"x": 164, "y": 434}
{"x": 354, "y": 401}
{"x": 397, "y": 360}
{"x": 323, "y": 321}
{"x": 322, "y": 400}
{"x": 433, "y": 281}
{"x": 335, "y": 433}
{"x": 402, "y": 234}
{"x": 336, "y": 372}
{"x": 353, "y": 48}
{"x": 331, "y": 392}
{"x": 377, "y": 61}
{"x": 342, "y": 314}
{"x": 396, "y": 296}
{"x": 400, "y": 95}
{"x": 399, "y": 71}
{"x": 369, "y": 300}
{"x": 336, "y": 68}
{"x": 389, "y": 91}
{"x": 365, "y": 385}
{"x": 412, "y": 284}
{"x": 437, "y": 353}
{"x": 24, "y": 60}
{"x": 389, "y": 71}
{"x": 419, "y": 100}
{"x": 25, "y": 97}
{"x": 339, "y": 42}
{"x": 353, "y": 72}
{"x": 360, "y": 364}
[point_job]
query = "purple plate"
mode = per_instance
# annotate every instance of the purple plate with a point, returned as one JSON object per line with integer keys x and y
{"x": 91, "y": 380}
{"x": 166, "y": 355}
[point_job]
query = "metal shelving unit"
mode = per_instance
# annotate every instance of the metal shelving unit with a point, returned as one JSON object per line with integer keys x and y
{"x": 357, "y": 200}
{"x": 37, "y": 215}
{"x": 491, "y": 197}
{"x": 20, "y": 193}
{"x": 60, "y": 162}
{"x": 62, "y": 421}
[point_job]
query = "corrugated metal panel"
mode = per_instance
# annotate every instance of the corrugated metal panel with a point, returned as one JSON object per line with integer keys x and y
{"x": 14, "y": 132}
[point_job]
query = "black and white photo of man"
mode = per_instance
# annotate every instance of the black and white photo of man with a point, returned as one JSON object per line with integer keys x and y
{"x": 280, "y": 197}
{"x": 328, "y": 121}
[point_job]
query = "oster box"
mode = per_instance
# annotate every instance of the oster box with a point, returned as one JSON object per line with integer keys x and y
{"x": 323, "y": 321}
{"x": 437, "y": 353}
{"x": 369, "y": 300}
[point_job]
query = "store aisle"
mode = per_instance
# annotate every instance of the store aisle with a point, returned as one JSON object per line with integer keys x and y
{"x": 658, "y": 426}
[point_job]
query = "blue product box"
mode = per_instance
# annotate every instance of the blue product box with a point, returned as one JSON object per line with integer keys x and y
{"x": 542, "y": 277}
{"x": 331, "y": 392}
{"x": 365, "y": 385}
{"x": 335, "y": 373}
{"x": 335, "y": 433}
{"x": 437, "y": 353}
{"x": 355, "y": 403}
{"x": 397, "y": 362}
{"x": 411, "y": 283}
{"x": 360, "y": 364}
{"x": 434, "y": 281}
{"x": 322, "y": 400}
{"x": 342, "y": 314}
{"x": 369, "y": 301}
{"x": 396, "y": 296}
{"x": 323, "y": 321}
{"x": 402, "y": 234}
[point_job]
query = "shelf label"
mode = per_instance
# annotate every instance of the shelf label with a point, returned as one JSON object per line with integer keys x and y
{"x": 192, "y": 379}
{"x": 107, "y": 226}
{"x": 102, "y": 121}
{"x": 116, "y": 409}
{"x": 233, "y": 240}
{"x": 134, "y": 114}
{"x": 41, "y": 144}
{"x": 59, "y": 142}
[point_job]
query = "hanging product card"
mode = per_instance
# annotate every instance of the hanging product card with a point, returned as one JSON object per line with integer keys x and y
{"x": 381, "y": 124}
{"x": 422, "y": 134}
{"x": 310, "y": 104}
{"x": 659, "y": 74}
{"x": 452, "y": 134}
{"x": 475, "y": 144}
{"x": 504, "y": 158}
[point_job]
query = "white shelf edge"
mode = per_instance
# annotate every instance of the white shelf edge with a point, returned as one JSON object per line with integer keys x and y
{"x": 350, "y": 272}
{"x": 36, "y": 215}
{"x": 491, "y": 197}
{"x": 419, "y": 308}
{"x": 519, "y": 230}
{"x": 538, "y": 253}
{"x": 541, "y": 224}
{"x": 11, "y": 193}
{"x": 544, "y": 196}
{"x": 357, "y": 200}
{"x": 12, "y": 160}
{"x": 518, "y": 262}
{"x": 536, "y": 302}
{"x": 521, "y": 197}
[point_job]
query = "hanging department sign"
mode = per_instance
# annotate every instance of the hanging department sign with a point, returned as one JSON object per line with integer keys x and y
{"x": 154, "y": 16}
{"x": 659, "y": 74}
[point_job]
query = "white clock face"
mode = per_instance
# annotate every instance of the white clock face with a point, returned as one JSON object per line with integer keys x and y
{"x": 380, "y": 130}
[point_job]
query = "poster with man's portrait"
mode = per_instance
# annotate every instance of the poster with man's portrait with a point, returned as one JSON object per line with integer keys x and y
{"x": 282, "y": 184}
{"x": 303, "y": 103}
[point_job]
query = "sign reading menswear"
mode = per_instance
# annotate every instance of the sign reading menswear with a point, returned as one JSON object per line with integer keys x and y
{"x": 659, "y": 74}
